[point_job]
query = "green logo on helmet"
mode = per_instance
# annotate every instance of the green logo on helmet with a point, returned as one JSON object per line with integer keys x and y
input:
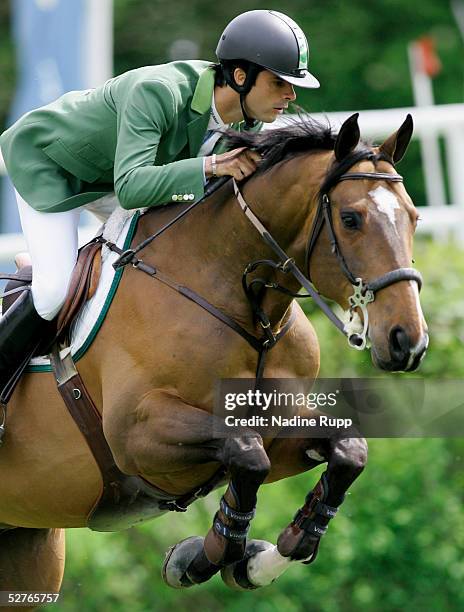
{"x": 303, "y": 63}
{"x": 300, "y": 38}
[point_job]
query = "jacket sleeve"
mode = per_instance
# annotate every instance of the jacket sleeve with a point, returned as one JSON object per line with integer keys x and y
{"x": 145, "y": 117}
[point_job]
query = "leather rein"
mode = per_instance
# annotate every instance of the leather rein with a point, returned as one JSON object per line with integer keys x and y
{"x": 363, "y": 292}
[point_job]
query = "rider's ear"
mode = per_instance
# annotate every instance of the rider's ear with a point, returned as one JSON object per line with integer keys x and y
{"x": 348, "y": 137}
{"x": 239, "y": 76}
{"x": 395, "y": 146}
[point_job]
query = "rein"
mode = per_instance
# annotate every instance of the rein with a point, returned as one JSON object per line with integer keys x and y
{"x": 363, "y": 292}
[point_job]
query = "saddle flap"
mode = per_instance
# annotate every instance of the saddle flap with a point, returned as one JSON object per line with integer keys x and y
{"x": 84, "y": 282}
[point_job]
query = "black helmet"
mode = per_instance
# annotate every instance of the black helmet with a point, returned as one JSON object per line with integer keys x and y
{"x": 270, "y": 40}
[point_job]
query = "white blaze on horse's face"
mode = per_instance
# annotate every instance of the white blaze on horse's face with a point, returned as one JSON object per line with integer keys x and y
{"x": 386, "y": 203}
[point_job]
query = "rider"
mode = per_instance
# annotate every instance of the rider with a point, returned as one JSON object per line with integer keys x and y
{"x": 149, "y": 135}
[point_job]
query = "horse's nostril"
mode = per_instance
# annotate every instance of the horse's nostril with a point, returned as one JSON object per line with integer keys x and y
{"x": 399, "y": 341}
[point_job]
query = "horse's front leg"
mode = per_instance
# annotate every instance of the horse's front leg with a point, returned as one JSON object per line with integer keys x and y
{"x": 226, "y": 540}
{"x": 299, "y": 541}
{"x": 346, "y": 458}
{"x": 171, "y": 444}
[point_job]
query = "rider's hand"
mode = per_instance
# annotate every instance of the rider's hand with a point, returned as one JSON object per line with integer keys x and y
{"x": 238, "y": 163}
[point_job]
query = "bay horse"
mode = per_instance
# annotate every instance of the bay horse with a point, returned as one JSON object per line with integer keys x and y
{"x": 152, "y": 368}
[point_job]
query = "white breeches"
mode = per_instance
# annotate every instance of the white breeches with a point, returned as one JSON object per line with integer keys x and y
{"x": 52, "y": 241}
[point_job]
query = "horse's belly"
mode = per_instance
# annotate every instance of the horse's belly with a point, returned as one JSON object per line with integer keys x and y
{"x": 48, "y": 477}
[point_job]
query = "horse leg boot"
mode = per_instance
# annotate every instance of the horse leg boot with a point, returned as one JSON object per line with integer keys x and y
{"x": 21, "y": 331}
{"x": 168, "y": 442}
{"x": 299, "y": 541}
{"x": 226, "y": 540}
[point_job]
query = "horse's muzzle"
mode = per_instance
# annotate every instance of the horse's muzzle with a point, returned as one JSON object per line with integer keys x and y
{"x": 404, "y": 356}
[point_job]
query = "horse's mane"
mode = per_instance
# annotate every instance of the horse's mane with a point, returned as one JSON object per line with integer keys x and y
{"x": 299, "y": 135}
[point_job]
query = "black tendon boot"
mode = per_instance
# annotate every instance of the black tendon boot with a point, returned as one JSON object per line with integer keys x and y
{"x": 21, "y": 331}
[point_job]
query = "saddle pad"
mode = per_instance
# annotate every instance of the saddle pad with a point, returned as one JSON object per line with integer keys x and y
{"x": 120, "y": 229}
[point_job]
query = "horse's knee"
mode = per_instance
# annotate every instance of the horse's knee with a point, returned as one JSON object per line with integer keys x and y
{"x": 247, "y": 455}
{"x": 349, "y": 454}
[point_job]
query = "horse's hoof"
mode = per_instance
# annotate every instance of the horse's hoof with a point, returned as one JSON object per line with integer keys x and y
{"x": 177, "y": 560}
{"x": 235, "y": 575}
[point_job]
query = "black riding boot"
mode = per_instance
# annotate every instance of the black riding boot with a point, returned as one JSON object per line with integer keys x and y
{"x": 21, "y": 331}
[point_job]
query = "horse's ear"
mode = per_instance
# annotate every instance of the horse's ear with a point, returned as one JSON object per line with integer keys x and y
{"x": 348, "y": 137}
{"x": 395, "y": 146}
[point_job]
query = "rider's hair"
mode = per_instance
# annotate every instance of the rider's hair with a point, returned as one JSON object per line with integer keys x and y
{"x": 219, "y": 76}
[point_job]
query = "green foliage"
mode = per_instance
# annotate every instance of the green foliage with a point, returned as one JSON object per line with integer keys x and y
{"x": 7, "y": 63}
{"x": 398, "y": 542}
{"x": 358, "y": 50}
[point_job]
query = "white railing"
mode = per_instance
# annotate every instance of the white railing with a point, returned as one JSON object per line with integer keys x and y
{"x": 429, "y": 122}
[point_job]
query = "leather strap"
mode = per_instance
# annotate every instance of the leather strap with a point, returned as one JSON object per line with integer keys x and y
{"x": 128, "y": 256}
{"x": 231, "y": 513}
{"x": 261, "y": 345}
{"x": 371, "y": 176}
{"x": 121, "y": 494}
{"x": 236, "y": 535}
{"x": 394, "y": 276}
{"x": 21, "y": 276}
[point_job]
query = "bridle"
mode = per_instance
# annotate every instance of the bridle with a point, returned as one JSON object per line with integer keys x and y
{"x": 363, "y": 292}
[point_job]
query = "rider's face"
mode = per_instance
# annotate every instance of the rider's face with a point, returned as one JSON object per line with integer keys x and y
{"x": 269, "y": 97}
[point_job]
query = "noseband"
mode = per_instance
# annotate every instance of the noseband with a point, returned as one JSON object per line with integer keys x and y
{"x": 363, "y": 292}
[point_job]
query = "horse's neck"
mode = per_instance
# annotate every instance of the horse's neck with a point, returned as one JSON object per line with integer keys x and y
{"x": 209, "y": 249}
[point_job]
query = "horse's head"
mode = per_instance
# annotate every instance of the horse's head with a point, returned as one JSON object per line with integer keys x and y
{"x": 370, "y": 222}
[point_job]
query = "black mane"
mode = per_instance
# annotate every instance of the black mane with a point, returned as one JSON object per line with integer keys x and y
{"x": 300, "y": 135}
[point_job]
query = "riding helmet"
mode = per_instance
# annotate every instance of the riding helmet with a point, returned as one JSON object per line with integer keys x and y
{"x": 270, "y": 40}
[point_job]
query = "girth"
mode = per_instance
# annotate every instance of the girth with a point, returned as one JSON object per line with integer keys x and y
{"x": 127, "y": 500}
{"x": 124, "y": 500}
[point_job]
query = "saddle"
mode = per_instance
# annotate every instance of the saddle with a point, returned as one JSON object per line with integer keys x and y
{"x": 84, "y": 282}
{"x": 124, "y": 500}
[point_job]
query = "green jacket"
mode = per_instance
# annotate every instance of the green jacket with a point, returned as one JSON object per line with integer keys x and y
{"x": 138, "y": 134}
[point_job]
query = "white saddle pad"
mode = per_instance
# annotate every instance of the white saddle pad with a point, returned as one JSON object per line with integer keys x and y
{"x": 119, "y": 229}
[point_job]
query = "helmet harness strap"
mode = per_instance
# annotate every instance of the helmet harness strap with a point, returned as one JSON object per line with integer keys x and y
{"x": 243, "y": 90}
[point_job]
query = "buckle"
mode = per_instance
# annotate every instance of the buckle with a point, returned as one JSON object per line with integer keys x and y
{"x": 283, "y": 266}
{"x": 172, "y": 506}
{"x": 124, "y": 259}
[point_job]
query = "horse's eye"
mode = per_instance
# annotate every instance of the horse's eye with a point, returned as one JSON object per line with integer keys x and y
{"x": 351, "y": 220}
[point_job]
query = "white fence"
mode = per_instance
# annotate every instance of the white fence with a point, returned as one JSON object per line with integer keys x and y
{"x": 441, "y": 221}
{"x": 447, "y": 121}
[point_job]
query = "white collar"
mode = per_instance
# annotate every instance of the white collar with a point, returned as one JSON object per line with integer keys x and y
{"x": 215, "y": 121}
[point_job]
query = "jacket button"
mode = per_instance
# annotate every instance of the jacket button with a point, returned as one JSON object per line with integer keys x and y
{"x": 174, "y": 197}
{"x": 186, "y": 196}
{"x": 191, "y": 196}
